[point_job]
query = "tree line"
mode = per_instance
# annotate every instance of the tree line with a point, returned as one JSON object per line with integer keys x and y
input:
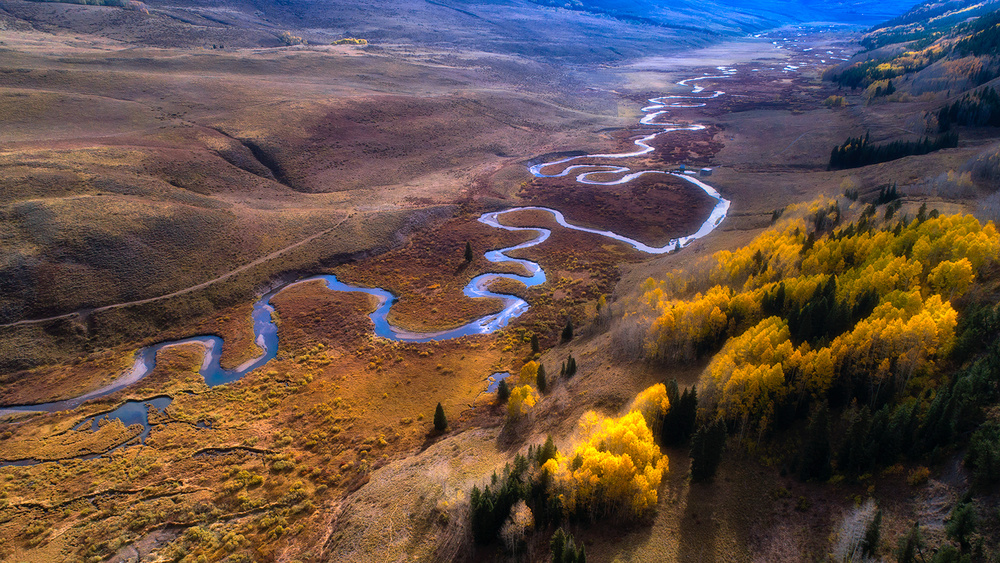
{"x": 859, "y": 151}
{"x": 975, "y": 109}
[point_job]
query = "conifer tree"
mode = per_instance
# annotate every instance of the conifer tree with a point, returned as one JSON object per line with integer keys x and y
{"x": 558, "y": 544}
{"x": 468, "y": 251}
{"x": 547, "y": 451}
{"x": 962, "y": 524}
{"x": 440, "y": 422}
{"x": 567, "y": 332}
{"x": 503, "y": 392}
{"x": 570, "y": 366}
{"x": 706, "y": 450}
{"x": 534, "y": 344}
{"x": 542, "y": 384}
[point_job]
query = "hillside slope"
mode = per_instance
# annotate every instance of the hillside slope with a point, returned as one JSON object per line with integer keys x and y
{"x": 580, "y": 31}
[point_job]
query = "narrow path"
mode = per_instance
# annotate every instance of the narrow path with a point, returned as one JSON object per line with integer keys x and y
{"x": 200, "y": 286}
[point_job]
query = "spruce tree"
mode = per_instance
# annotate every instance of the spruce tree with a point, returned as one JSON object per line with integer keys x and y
{"x": 668, "y": 431}
{"x": 962, "y": 524}
{"x": 534, "y": 344}
{"x": 468, "y": 251}
{"x": 547, "y": 451}
{"x": 440, "y": 422}
{"x": 679, "y": 422}
{"x": 558, "y": 545}
{"x": 567, "y": 332}
{"x": 570, "y": 366}
{"x": 503, "y": 392}
{"x": 706, "y": 450}
{"x": 542, "y": 384}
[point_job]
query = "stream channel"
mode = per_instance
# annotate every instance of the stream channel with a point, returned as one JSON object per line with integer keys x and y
{"x": 266, "y": 333}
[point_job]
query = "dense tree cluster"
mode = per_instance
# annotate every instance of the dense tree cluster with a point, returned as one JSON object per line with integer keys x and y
{"x": 862, "y": 74}
{"x": 854, "y": 314}
{"x": 880, "y": 88}
{"x": 617, "y": 468}
{"x": 976, "y": 109}
{"x": 522, "y": 482}
{"x": 858, "y": 151}
{"x": 680, "y": 421}
{"x": 564, "y": 549}
{"x": 984, "y": 36}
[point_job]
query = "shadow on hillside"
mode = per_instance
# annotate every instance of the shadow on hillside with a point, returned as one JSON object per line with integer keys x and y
{"x": 698, "y": 525}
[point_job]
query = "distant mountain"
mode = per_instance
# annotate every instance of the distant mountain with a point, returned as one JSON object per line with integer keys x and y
{"x": 739, "y": 14}
{"x": 928, "y": 21}
{"x": 588, "y": 31}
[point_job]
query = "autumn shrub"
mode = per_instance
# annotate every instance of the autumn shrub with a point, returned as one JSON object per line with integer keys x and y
{"x": 835, "y": 102}
{"x": 288, "y": 39}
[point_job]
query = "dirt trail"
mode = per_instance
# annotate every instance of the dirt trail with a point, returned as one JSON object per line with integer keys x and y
{"x": 190, "y": 289}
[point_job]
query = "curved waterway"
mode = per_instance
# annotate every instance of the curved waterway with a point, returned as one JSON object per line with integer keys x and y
{"x": 266, "y": 333}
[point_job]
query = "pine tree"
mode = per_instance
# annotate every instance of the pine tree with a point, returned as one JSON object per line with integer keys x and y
{"x": 558, "y": 544}
{"x": 679, "y": 422}
{"x": 570, "y": 366}
{"x": 468, "y": 251}
{"x": 546, "y": 452}
{"x": 534, "y": 344}
{"x": 440, "y": 422}
{"x": 503, "y": 392}
{"x": 706, "y": 451}
{"x": 962, "y": 524}
{"x": 542, "y": 384}
{"x": 567, "y": 332}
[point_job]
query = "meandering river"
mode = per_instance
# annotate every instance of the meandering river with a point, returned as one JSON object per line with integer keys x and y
{"x": 266, "y": 333}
